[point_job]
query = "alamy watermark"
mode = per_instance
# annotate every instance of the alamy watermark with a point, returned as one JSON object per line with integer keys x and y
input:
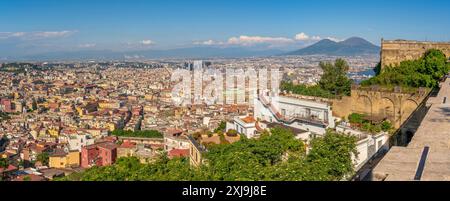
{"x": 199, "y": 85}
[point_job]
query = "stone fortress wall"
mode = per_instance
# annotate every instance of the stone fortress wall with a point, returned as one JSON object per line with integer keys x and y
{"x": 395, "y": 51}
{"x": 396, "y": 106}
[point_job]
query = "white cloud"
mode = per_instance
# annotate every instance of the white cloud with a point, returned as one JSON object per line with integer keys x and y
{"x": 244, "y": 40}
{"x": 208, "y": 42}
{"x": 88, "y": 45}
{"x": 301, "y": 36}
{"x": 138, "y": 45}
{"x": 35, "y": 35}
{"x": 248, "y": 41}
{"x": 316, "y": 38}
{"x": 147, "y": 42}
{"x": 334, "y": 39}
{"x": 52, "y": 34}
{"x": 18, "y": 34}
{"x": 304, "y": 37}
{"x": 253, "y": 40}
{"x": 6, "y": 35}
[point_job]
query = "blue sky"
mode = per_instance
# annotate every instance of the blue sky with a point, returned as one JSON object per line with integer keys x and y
{"x": 38, "y": 26}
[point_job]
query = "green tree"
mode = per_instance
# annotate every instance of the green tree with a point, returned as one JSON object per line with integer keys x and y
{"x": 334, "y": 78}
{"x": 356, "y": 118}
{"x": 377, "y": 69}
{"x": 277, "y": 155}
{"x": 386, "y": 125}
{"x": 332, "y": 155}
{"x": 423, "y": 72}
{"x": 232, "y": 133}
{"x": 435, "y": 64}
{"x": 222, "y": 126}
{"x": 139, "y": 133}
{"x": 4, "y": 163}
{"x": 302, "y": 89}
{"x": 43, "y": 158}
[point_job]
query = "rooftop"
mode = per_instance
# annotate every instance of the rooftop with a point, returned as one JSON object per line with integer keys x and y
{"x": 248, "y": 119}
{"x": 178, "y": 153}
{"x": 413, "y": 41}
{"x": 292, "y": 129}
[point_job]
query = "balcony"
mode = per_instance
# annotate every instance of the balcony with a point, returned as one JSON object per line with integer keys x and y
{"x": 308, "y": 118}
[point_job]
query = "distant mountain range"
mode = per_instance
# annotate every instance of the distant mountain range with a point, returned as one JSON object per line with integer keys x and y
{"x": 191, "y": 53}
{"x": 350, "y": 47}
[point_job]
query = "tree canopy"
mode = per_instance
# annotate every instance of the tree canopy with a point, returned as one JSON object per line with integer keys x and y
{"x": 423, "y": 72}
{"x": 43, "y": 158}
{"x": 144, "y": 134}
{"x": 4, "y": 162}
{"x": 333, "y": 83}
{"x": 302, "y": 89}
{"x": 275, "y": 156}
{"x": 334, "y": 78}
{"x": 368, "y": 126}
{"x": 221, "y": 128}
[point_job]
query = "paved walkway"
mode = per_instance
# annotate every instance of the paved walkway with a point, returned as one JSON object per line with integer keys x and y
{"x": 402, "y": 163}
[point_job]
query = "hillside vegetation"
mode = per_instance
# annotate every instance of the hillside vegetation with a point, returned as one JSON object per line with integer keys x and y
{"x": 423, "y": 72}
{"x": 275, "y": 156}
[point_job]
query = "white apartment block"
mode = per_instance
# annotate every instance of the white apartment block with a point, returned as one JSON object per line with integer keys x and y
{"x": 308, "y": 115}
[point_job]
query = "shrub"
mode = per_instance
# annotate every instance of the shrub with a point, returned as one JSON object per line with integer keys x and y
{"x": 386, "y": 126}
{"x": 356, "y": 118}
{"x": 232, "y": 133}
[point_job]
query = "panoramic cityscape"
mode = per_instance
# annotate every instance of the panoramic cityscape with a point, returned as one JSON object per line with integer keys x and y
{"x": 224, "y": 91}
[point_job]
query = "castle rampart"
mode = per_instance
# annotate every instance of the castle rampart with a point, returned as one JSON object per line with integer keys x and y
{"x": 395, "y": 51}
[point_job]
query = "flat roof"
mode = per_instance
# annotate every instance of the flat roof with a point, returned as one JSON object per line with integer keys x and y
{"x": 415, "y": 41}
{"x": 292, "y": 129}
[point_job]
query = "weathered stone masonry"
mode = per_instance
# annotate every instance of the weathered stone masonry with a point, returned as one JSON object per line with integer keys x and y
{"x": 395, "y": 51}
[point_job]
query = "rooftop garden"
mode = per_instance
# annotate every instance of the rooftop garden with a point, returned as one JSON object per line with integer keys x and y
{"x": 143, "y": 134}
{"x": 218, "y": 136}
{"x": 305, "y": 90}
{"x": 361, "y": 122}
